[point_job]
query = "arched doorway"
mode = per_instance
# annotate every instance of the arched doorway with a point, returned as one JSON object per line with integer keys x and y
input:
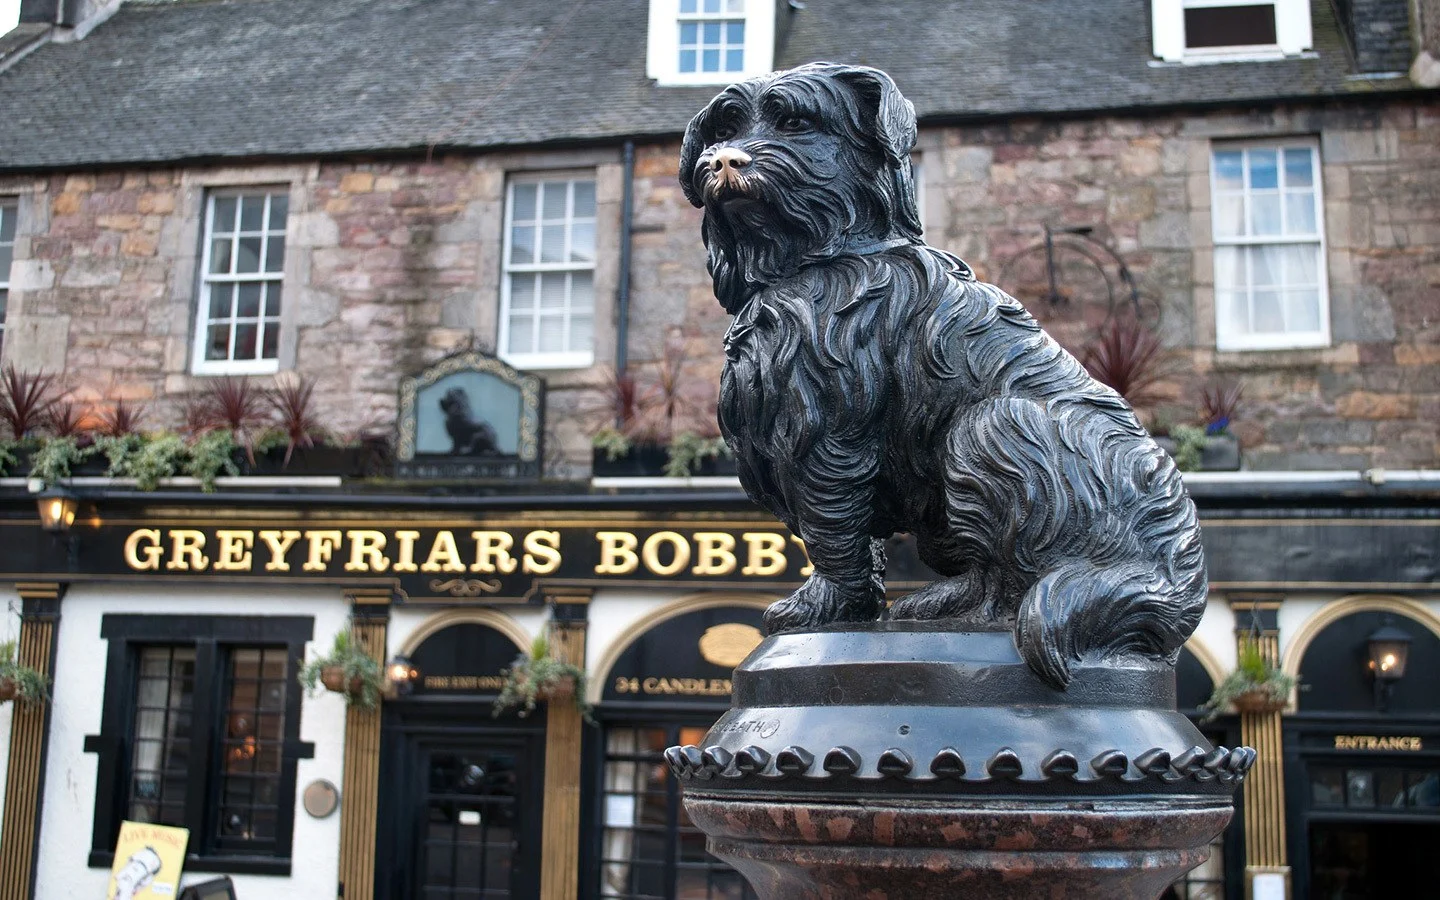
{"x": 1363, "y": 767}
{"x": 666, "y": 685}
{"x": 460, "y": 790}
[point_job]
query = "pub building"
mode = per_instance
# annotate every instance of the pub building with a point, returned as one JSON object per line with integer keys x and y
{"x": 173, "y": 624}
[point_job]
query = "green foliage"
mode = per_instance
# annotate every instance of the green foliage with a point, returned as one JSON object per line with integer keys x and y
{"x": 211, "y": 456}
{"x": 9, "y": 456}
{"x": 612, "y": 441}
{"x": 56, "y": 457}
{"x": 689, "y": 449}
{"x": 30, "y": 685}
{"x": 533, "y": 678}
{"x": 1253, "y": 674}
{"x": 1189, "y": 445}
{"x": 358, "y": 667}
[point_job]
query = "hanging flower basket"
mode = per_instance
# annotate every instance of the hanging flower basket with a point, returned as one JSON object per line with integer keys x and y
{"x": 537, "y": 677}
{"x": 19, "y": 682}
{"x": 561, "y": 690}
{"x": 1260, "y": 700}
{"x": 347, "y": 670}
{"x": 8, "y": 689}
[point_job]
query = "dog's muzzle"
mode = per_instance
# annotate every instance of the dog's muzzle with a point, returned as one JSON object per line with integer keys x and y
{"x": 728, "y": 170}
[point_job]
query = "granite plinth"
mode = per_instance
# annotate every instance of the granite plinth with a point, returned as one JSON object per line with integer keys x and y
{"x": 903, "y": 759}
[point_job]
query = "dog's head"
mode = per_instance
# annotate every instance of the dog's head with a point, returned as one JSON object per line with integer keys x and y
{"x": 798, "y": 166}
{"x": 455, "y": 402}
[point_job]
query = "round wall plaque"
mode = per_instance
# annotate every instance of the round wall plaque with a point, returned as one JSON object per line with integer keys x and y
{"x": 728, "y": 644}
{"x": 321, "y": 798}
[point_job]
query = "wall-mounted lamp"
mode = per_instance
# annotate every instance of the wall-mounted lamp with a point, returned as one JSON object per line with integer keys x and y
{"x": 402, "y": 675}
{"x": 1388, "y": 650}
{"x": 57, "y": 510}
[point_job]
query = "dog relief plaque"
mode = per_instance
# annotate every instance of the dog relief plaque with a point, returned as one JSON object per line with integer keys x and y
{"x": 470, "y": 416}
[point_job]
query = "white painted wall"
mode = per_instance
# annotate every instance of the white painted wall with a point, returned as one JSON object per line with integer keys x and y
{"x": 1216, "y": 632}
{"x": 69, "y": 809}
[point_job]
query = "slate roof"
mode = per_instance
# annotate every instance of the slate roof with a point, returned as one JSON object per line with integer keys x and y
{"x": 201, "y": 80}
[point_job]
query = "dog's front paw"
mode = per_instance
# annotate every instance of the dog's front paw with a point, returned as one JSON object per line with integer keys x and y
{"x": 820, "y": 601}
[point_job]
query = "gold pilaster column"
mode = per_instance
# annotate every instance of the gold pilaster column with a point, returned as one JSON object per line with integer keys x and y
{"x": 360, "y": 785}
{"x": 1264, "y": 787}
{"x": 560, "y": 840}
{"x": 29, "y": 728}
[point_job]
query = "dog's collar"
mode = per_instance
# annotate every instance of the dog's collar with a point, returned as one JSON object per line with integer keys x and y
{"x": 869, "y": 247}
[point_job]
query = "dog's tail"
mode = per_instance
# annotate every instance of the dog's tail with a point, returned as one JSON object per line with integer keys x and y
{"x": 1081, "y": 609}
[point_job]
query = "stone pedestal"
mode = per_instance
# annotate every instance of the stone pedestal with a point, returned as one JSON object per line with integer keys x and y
{"x": 901, "y": 760}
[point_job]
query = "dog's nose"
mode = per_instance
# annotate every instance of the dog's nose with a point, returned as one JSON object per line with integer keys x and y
{"x": 729, "y": 158}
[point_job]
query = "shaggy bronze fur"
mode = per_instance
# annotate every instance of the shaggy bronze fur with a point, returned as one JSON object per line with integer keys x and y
{"x": 872, "y": 386}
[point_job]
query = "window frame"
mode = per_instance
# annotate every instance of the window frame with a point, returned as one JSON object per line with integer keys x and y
{"x": 199, "y": 365}
{"x": 1293, "y": 32}
{"x": 211, "y": 637}
{"x": 662, "y": 57}
{"x": 9, "y": 209}
{"x": 568, "y": 359}
{"x": 1281, "y": 340}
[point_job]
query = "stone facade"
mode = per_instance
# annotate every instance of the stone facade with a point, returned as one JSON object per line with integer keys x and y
{"x": 392, "y": 264}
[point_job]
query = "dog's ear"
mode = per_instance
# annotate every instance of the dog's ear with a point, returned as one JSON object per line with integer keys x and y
{"x": 894, "y": 116}
{"x": 690, "y": 151}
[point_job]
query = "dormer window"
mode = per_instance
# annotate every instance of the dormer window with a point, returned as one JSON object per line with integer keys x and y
{"x": 710, "y": 41}
{"x": 1220, "y": 30}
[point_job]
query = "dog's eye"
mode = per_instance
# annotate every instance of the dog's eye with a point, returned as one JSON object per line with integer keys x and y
{"x": 795, "y": 124}
{"x": 724, "y": 132}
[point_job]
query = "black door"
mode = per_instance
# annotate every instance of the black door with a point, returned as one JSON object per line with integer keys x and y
{"x": 467, "y": 807}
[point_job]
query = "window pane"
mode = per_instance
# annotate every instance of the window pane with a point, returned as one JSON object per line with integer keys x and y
{"x": 246, "y": 340}
{"x": 1229, "y": 170}
{"x": 712, "y": 6}
{"x": 220, "y": 256}
{"x": 1390, "y": 788}
{"x": 217, "y": 342}
{"x": 1229, "y": 215}
{"x": 710, "y": 61}
{"x": 689, "y": 33}
{"x": 522, "y": 292}
{"x": 552, "y": 290}
{"x": 584, "y": 199}
{"x": 220, "y": 297}
{"x": 1302, "y": 264}
{"x": 1263, "y": 172}
{"x": 582, "y": 292}
{"x": 252, "y": 212}
{"x": 1298, "y": 169}
{"x": 687, "y": 60}
{"x": 581, "y": 331}
{"x": 1302, "y": 310}
{"x": 552, "y": 334}
{"x": 249, "y": 302}
{"x": 1299, "y": 213}
{"x": 1229, "y": 269}
{"x": 1265, "y": 264}
{"x": 275, "y": 253}
{"x": 735, "y": 33}
{"x": 1264, "y": 214}
{"x": 7, "y": 223}
{"x": 271, "y": 344}
{"x": 553, "y": 199}
{"x": 712, "y": 33}
{"x": 734, "y": 60}
{"x": 279, "y": 208}
{"x": 1359, "y": 788}
{"x": 247, "y": 257}
{"x": 250, "y": 757}
{"x": 735, "y": 6}
{"x": 1268, "y": 315}
{"x": 7, "y": 252}
{"x": 687, "y": 6}
{"x": 582, "y": 243}
{"x": 160, "y": 735}
{"x": 224, "y": 220}
{"x": 552, "y": 243}
{"x": 272, "y": 298}
{"x": 1326, "y": 788}
{"x": 1230, "y": 26}
{"x": 522, "y": 244}
{"x": 524, "y": 202}
{"x": 522, "y": 334}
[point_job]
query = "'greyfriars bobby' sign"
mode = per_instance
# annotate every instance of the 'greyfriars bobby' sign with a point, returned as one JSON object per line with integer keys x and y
{"x": 470, "y": 416}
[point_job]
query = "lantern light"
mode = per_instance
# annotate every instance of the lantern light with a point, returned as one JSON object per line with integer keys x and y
{"x": 57, "y": 510}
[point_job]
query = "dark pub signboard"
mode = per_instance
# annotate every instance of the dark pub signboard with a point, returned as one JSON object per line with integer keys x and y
{"x": 470, "y": 416}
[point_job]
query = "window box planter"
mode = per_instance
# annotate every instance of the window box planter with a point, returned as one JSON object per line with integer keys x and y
{"x": 321, "y": 459}
{"x": 1221, "y": 452}
{"x": 639, "y": 461}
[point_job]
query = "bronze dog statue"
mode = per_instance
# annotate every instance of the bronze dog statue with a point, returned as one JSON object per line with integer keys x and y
{"x": 871, "y": 386}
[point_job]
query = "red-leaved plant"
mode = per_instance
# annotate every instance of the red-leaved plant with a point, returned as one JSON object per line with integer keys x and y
{"x": 291, "y": 401}
{"x": 1128, "y": 357}
{"x": 1218, "y": 402}
{"x": 68, "y": 419}
{"x": 26, "y": 400}
{"x": 231, "y": 403}
{"x": 121, "y": 419}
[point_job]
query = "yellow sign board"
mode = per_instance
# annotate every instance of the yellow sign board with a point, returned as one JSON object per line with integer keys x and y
{"x": 148, "y": 860}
